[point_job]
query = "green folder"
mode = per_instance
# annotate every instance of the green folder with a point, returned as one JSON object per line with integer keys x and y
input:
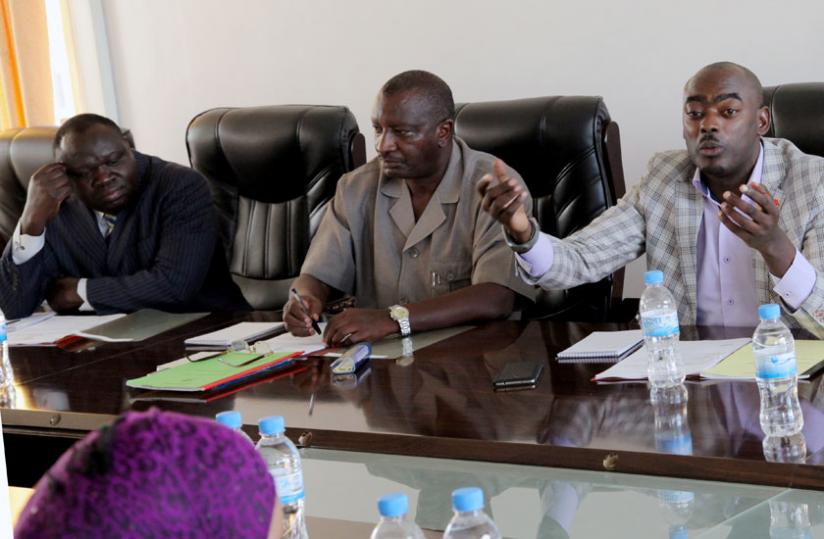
{"x": 217, "y": 371}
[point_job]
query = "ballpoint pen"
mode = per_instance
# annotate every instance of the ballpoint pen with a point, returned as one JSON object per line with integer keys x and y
{"x": 299, "y": 299}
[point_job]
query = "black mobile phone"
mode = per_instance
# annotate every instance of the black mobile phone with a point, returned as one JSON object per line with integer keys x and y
{"x": 518, "y": 375}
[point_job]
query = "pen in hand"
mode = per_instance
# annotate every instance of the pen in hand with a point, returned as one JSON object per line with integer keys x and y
{"x": 299, "y": 299}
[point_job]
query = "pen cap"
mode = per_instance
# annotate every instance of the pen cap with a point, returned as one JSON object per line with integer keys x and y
{"x": 467, "y": 499}
{"x": 393, "y": 505}
{"x": 230, "y": 418}
{"x": 272, "y": 425}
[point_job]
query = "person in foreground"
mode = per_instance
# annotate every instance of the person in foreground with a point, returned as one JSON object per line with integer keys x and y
{"x": 405, "y": 233}
{"x": 155, "y": 474}
{"x": 108, "y": 229}
{"x": 733, "y": 222}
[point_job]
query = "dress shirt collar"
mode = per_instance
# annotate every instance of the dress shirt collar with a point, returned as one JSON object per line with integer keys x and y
{"x": 447, "y": 192}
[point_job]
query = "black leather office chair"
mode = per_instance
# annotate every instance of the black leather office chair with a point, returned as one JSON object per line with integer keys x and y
{"x": 22, "y": 152}
{"x": 272, "y": 169}
{"x": 797, "y": 112}
{"x": 568, "y": 151}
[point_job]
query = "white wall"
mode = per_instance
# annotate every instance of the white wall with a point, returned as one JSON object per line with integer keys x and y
{"x": 174, "y": 58}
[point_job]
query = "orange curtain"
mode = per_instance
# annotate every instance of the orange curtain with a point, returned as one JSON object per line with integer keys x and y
{"x": 26, "y": 96}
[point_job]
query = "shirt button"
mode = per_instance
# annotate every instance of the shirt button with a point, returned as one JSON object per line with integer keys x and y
{"x": 730, "y": 302}
{"x": 726, "y": 260}
{"x": 450, "y": 276}
{"x": 414, "y": 253}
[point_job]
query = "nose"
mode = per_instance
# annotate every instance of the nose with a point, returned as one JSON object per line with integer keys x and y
{"x": 384, "y": 142}
{"x": 102, "y": 174}
{"x": 709, "y": 123}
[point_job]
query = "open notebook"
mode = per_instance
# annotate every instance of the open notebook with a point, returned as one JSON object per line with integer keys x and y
{"x": 603, "y": 347}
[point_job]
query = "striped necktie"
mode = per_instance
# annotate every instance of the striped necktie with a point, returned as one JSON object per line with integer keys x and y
{"x": 109, "y": 220}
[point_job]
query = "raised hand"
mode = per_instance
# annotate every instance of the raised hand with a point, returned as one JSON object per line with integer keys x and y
{"x": 49, "y": 186}
{"x": 503, "y": 199}
{"x": 756, "y": 223}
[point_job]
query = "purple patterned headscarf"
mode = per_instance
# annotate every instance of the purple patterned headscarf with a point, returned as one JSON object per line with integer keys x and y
{"x": 154, "y": 474}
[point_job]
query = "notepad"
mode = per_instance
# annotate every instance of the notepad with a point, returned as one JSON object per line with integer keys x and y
{"x": 603, "y": 347}
{"x": 244, "y": 331}
{"x": 809, "y": 356}
{"x": 216, "y": 372}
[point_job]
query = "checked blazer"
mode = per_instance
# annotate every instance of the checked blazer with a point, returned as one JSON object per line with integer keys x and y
{"x": 661, "y": 217}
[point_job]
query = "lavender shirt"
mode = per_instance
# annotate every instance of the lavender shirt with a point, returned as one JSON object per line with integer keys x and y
{"x": 726, "y": 272}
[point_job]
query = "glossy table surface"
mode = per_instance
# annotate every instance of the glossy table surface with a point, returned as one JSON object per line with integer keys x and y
{"x": 440, "y": 403}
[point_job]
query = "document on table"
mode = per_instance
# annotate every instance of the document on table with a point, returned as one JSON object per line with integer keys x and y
{"x": 698, "y": 356}
{"x": 244, "y": 331}
{"x": 809, "y": 356}
{"x": 46, "y": 329}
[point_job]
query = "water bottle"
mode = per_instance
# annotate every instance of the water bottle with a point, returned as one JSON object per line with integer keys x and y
{"x": 789, "y": 520}
{"x": 6, "y": 372}
{"x": 392, "y": 525}
{"x": 234, "y": 421}
{"x": 470, "y": 521}
{"x": 775, "y": 371}
{"x": 283, "y": 461}
{"x": 785, "y": 448}
{"x": 659, "y": 322}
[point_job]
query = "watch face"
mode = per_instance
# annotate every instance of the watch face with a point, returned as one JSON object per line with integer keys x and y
{"x": 399, "y": 311}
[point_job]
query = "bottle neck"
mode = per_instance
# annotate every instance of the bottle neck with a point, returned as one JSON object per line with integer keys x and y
{"x": 397, "y": 519}
{"x": 474, "y": 512}
{"x": 274, "y": 436}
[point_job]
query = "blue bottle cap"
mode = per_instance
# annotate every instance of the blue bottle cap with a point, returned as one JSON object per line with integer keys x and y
{"x": 393, "y": 505}
{"x": 231, "y": 419}
{"x": 468, "y": 499}
{"x": 654, "y": 277}
{"x": 769, "y": 311}
{"x": 271, "y": 425}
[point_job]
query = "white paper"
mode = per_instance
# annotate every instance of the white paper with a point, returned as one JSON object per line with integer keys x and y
{"x": 286, "y": 342}
{"x": 49, "y": 329}
{"x": 244, "y": 331}
{"x": 697, "y": 356}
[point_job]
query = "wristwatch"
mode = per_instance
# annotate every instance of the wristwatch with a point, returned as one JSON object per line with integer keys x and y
{"x": 522, "y": 248}
{"x": 400, "y": 314}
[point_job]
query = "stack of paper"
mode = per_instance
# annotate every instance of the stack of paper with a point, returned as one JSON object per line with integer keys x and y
{"x": 698, "y": 356}
{"x": 603, "y": 347}
{"x": 244, "y": 331}
{"x": 46, "y": 329}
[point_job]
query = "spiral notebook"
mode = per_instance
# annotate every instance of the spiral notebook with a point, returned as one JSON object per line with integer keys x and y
{"x": 603, "y": 347}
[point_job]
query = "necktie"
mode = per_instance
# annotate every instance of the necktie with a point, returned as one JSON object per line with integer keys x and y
{"x": 109, "y": 220}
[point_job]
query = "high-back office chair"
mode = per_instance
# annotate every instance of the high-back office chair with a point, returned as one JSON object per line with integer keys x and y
{"x": 798, "y": 114}
{"x": 568, "y": 151}
{"x": 22, "y": 151}
{"x": 272, "y": 169}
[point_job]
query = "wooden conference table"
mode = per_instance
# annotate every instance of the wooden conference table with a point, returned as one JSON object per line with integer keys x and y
{"x": 439, "y": 403}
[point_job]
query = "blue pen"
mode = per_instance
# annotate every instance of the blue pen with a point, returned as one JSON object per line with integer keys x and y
{"x": 352, "y": 358}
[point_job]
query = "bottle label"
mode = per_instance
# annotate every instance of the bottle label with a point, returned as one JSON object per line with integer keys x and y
{"x": 660, "y": 325}
{"x": 289, "y": 486}
{"x": 775, "y": 365}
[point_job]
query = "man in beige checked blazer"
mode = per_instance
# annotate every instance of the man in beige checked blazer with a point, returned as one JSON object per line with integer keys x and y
{"x": 733, "y": 222}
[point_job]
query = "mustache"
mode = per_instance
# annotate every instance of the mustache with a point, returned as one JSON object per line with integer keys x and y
{"x": 707, "y": 140}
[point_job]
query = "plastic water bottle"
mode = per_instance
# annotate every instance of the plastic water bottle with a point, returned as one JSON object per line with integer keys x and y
{"x": 6, "y": 372}
{"x": 283, "y": 460}
{"x": 775, "y": 371}
{"x": 785, "y": 448}
{"x": 392, "y": 525}
{"x": 659, "y": 322}
{"x": 234, "y": 421}
{"x": 470, "y": 521}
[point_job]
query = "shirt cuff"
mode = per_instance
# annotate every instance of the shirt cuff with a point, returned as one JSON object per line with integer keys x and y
{"x": 81, "y": 291}
{"x": 24, "y": 246}
{"x": 797, "y": 283}
{"x": 538, "y": 260}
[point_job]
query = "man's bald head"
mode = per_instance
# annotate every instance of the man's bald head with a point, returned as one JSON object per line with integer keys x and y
{"x": 429, "y": 88}
{"x": 724, "y": 70}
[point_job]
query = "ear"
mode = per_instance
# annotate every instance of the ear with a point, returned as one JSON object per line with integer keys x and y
{"x": 444, "y": 132}
{"x": 764, "y": 119}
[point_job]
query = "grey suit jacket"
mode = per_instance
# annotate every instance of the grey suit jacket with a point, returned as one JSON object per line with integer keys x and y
{"x": 163, "y": 253}
{"x": 661, "y": 217}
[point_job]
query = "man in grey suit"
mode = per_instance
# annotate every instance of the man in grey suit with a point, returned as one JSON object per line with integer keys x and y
{"x": 733, "y": 222}
{"x": 108, "y": 229}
